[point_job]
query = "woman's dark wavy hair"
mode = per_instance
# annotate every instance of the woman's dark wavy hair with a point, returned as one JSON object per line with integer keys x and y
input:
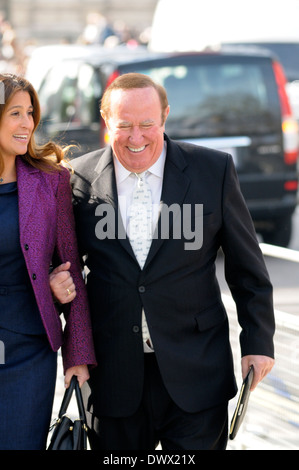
{"x": 46, "y": 157}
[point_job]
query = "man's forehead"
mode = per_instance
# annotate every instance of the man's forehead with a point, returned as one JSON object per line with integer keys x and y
{"x": 135, "y": 103}
{"x": 121, "y": 94}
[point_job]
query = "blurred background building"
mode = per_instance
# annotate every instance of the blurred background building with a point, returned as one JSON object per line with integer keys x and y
{"x": 51, "y": 20}
{"x": 25, "y": 24}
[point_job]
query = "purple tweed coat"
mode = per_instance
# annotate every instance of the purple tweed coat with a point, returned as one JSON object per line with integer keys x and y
{"x": 47, "y": 229}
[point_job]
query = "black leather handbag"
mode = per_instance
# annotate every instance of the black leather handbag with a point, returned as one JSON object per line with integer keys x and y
{"x": 68, "y": 434}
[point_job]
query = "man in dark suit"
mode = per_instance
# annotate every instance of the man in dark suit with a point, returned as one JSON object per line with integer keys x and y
{"x": 165, "y": 370}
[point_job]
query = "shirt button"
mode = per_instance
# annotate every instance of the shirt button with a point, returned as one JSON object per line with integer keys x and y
{"x": 136, "y": 329}
{"x": 34, "y": 276}
{"x": 141, "y": 289}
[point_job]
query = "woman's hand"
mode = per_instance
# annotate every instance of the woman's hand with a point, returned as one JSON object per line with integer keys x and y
{"x": 80, "y": 371}
{"x": 62, "y": 285}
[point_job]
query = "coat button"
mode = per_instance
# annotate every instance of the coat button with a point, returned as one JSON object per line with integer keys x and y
{"x": 141, "y": 289}
{"x": 26, "y": 247}
{"x": 34, "y": 276}
{"x": 136, "y": 329}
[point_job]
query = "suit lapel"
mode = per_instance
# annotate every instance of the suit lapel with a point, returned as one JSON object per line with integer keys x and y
{"x": 103, "y": 182}
{"x": 175, "y": 186}
{"x": 104, "y": 187}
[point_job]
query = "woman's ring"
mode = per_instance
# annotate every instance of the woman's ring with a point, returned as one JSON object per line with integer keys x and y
{"x": 68, "y": 292}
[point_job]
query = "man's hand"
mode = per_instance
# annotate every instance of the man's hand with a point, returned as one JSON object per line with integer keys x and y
{"x": 262, "y": 365}
{"x": 61, "y": 283}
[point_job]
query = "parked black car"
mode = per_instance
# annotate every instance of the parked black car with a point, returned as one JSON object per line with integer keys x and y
{"x": 234, "y": 101}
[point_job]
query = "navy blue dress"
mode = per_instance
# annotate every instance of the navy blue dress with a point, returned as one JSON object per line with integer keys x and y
{"x": 27, "y": 363}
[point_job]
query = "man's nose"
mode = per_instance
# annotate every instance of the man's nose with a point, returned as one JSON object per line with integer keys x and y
{"x": 136, "y": 135}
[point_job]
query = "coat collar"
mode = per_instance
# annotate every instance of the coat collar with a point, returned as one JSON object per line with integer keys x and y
{"x": 174, "y": 181}
{"x": 103, "y": 181}
{"x": 174, "y": 189}
{"x": 27, "y": 182}
{"x": 24, "y": 168}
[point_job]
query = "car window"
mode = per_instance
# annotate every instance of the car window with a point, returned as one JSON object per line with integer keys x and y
{"x": 70, "y": 94}
{"x": 213, "y": 99}
{"x": 89, "y": 92}
{"x": 57, "y": 93}
{"x": 287, "y": 53}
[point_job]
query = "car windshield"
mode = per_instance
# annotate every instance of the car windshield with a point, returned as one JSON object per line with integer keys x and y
{"x": 212, "y": 99}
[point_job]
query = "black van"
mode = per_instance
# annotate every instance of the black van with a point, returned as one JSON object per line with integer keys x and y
{"x": 234, "y": 101}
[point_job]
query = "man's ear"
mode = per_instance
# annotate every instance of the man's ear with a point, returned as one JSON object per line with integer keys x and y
{"x": 166, "y": 112}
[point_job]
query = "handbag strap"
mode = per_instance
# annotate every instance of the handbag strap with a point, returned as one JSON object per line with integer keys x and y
{"x": 74, "y": 385}
{"x": 80, "y": 402}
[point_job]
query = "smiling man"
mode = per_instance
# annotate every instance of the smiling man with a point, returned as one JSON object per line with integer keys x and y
{"x": 136, "y": 126}
{"x": 165, "y": 371}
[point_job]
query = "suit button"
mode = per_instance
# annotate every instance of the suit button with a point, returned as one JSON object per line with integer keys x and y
{"x": 26, "y": 247}
{"x": 136, "y": 329}
{"x": 141, "y": 289}
{"x": 34, "y": 276}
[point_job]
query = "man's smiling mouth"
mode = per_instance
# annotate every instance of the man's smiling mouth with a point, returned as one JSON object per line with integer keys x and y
{"x": 140, "y": 149}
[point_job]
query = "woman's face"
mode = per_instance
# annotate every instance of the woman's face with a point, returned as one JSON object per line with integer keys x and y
{"x": 16, "y": 125}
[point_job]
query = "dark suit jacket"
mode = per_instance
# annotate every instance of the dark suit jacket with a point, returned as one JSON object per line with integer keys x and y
{"x": 177, "y": 286}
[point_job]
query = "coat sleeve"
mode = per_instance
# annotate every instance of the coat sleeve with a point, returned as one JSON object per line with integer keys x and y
{"x": 246, "y": 272}
{"x": 77, "y": 347}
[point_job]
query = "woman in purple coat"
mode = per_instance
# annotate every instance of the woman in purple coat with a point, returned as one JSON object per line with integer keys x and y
{"x": 36, "y": 232}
